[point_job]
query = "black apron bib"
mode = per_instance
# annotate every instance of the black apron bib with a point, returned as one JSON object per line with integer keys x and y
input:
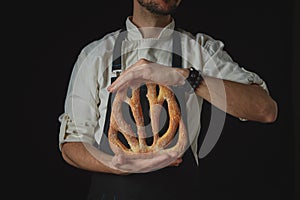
{"x": 167, "y": 183}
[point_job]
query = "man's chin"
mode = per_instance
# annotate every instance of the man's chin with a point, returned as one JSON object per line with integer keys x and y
{"x": 164, "y": 8}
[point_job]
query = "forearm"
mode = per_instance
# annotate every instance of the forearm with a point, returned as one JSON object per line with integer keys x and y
{"x": 87, "y": 157}
{"x": 240, "y": 100}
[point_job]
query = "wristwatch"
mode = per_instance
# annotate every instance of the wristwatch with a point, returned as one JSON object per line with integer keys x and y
{"x": 193, "y": 80}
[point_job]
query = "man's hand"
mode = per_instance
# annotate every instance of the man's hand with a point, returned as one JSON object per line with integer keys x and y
{"x": 142, "y": 163}
{"x": 144, "y": 71}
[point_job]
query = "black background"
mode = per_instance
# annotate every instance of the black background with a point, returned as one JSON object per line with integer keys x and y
{"x": 250, "y": 161}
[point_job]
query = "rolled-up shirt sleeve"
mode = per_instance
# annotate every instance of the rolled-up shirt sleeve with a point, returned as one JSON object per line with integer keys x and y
{"x": 75, "y": 130}
{"x": 220, "y": 65}
{"x": 81, "y": 114}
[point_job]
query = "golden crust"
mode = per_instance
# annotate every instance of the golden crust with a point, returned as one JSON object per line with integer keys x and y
{"x": 137, "y": 141}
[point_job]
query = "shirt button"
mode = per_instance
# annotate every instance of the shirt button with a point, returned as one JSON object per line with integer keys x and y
{"x": 250, "y": 79}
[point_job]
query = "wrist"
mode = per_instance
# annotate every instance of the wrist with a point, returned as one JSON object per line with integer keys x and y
{"x": 183, "y": 73}
{"x": 193, "y": 78}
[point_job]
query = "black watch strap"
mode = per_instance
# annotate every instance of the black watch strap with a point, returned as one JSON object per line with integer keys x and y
{"x": 193, "y": 80}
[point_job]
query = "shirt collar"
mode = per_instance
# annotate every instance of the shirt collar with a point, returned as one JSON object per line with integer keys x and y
{"x": 135, "y": 34}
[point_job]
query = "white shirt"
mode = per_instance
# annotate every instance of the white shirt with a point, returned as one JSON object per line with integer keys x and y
{"x": 87, "y": 96}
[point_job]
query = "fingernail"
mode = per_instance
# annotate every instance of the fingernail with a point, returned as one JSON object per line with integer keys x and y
{"x": 110, "y": 88}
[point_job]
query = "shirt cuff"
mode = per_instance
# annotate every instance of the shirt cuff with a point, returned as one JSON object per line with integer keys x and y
{"x": 75, "y": 130}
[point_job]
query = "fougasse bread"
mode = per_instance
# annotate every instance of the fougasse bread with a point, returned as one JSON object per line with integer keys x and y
{"x": 137, "y": 141}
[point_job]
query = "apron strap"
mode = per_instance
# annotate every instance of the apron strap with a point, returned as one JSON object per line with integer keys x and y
{"x": 116, "y": 71}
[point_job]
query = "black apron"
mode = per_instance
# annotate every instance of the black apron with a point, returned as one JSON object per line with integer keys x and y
{"x": 163, "y": 184}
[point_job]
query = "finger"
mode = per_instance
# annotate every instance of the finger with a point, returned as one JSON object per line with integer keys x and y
{"x": 177, "y": 162}
{"x": 173, "y": 154}
{"x": 136, "y": 71}
{"x": 144, "y": 162}
{"x": 157, "y": 163}
{"x": 128, "y": 74}
{"x": 118, "y": 160}
{"x": 123, "y": 80}
{"x": 120, "y": 88}
{"x": 131, "y": 84}
{"x": 143, "y": 165}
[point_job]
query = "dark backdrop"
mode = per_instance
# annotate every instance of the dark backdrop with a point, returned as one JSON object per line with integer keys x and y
{"x": 250, "y": 161}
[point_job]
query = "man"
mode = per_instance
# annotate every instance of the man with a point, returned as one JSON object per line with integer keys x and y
{"x": 222, "y": 82}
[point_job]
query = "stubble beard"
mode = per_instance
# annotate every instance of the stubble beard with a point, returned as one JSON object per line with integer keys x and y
{"x": 155, "y": 8}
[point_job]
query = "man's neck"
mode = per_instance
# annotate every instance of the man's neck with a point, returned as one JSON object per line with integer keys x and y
{"x": 144, "y": 19}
